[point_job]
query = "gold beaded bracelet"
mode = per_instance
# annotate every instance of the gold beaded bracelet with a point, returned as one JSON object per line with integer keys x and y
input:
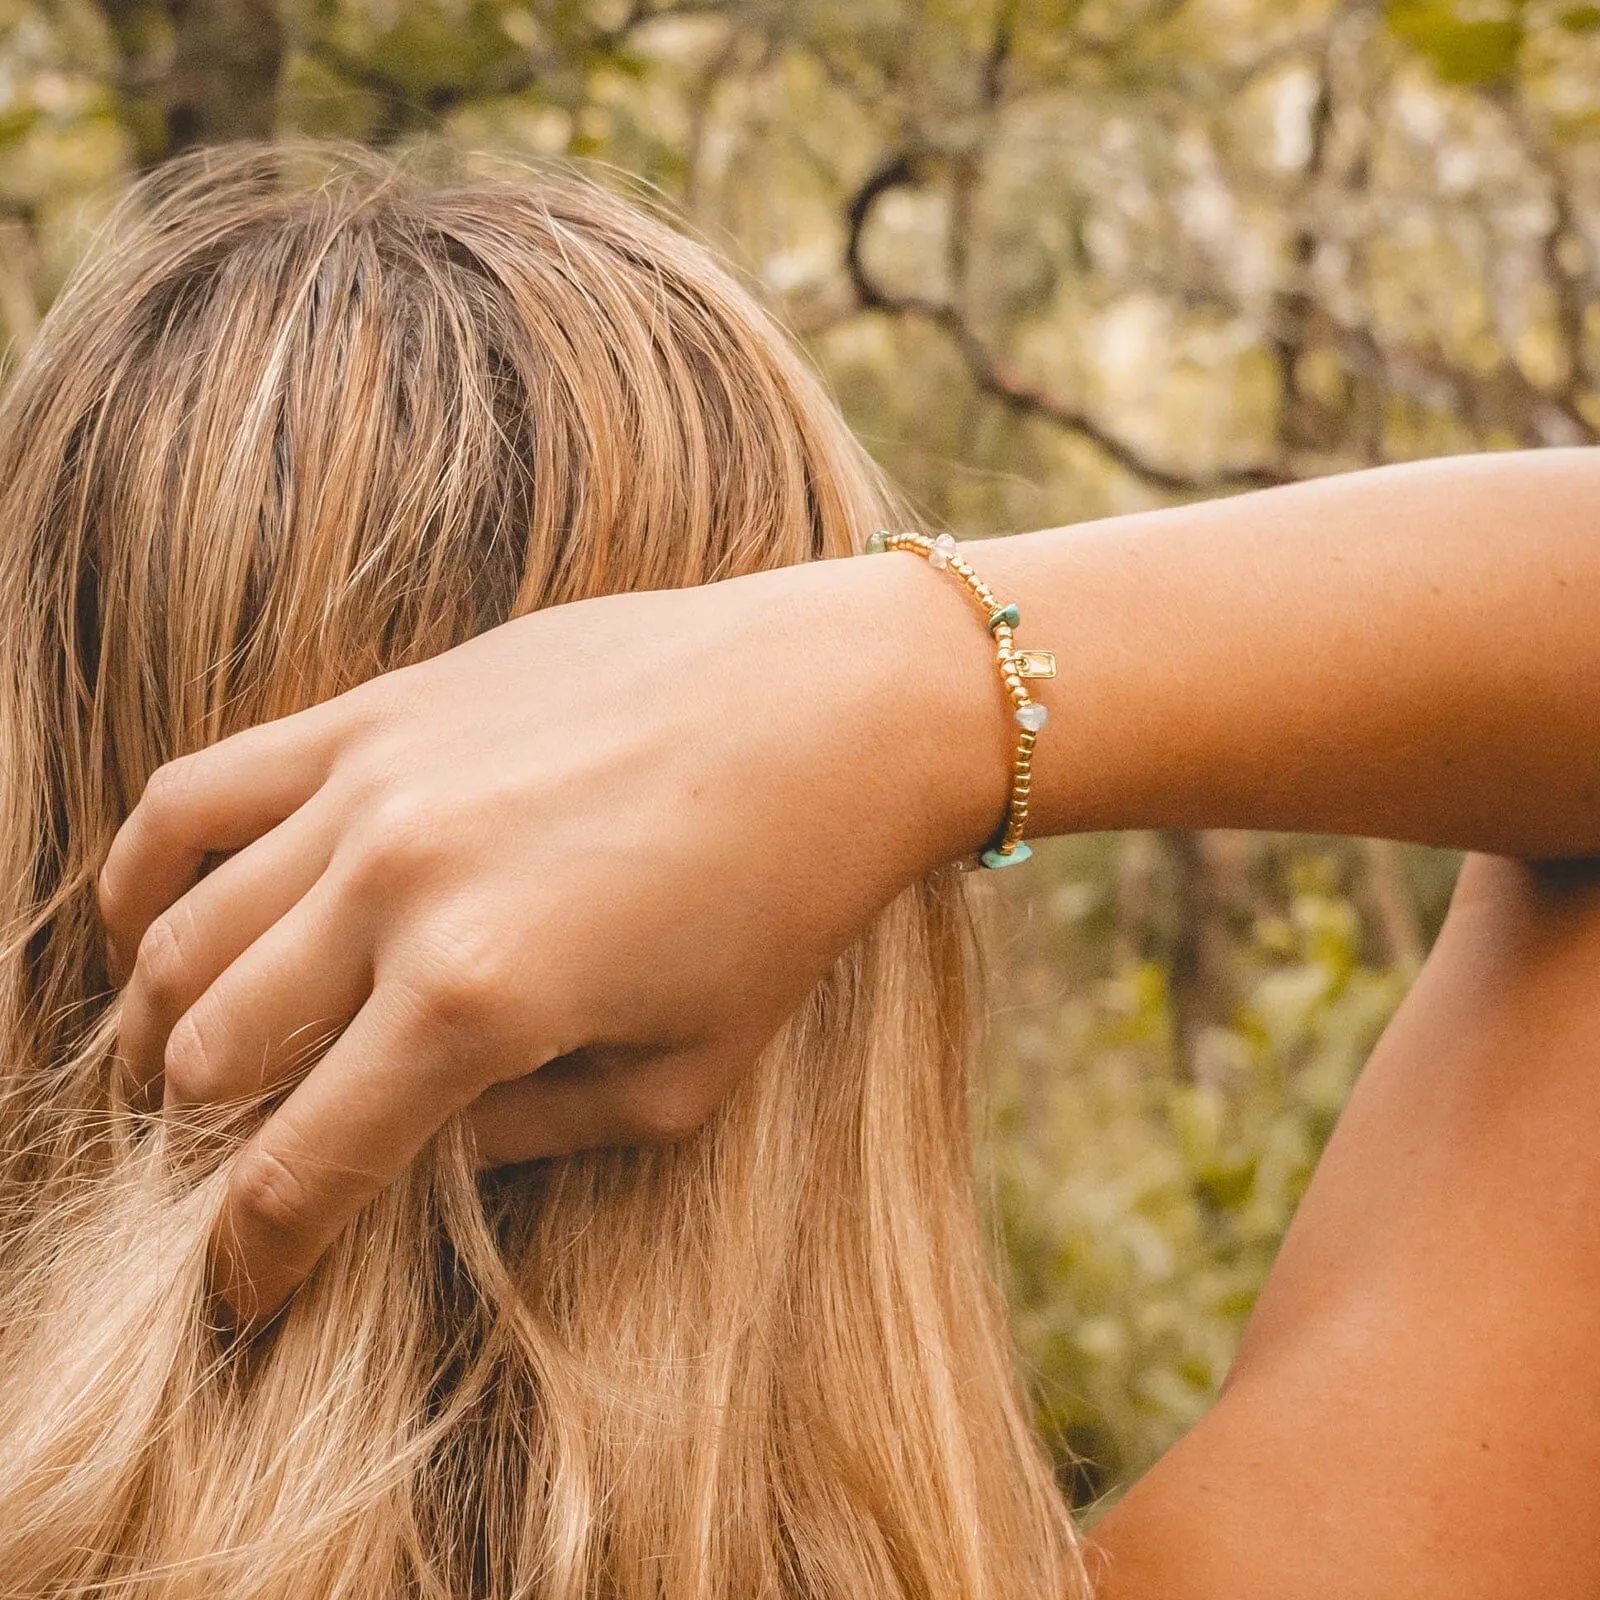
{"x": 1016, "y": 667}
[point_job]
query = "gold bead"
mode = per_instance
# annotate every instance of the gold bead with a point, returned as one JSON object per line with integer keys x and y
{"x": 1016, "y": 666}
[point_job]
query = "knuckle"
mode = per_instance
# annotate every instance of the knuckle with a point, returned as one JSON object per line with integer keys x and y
{"x": 167, "y": 790}
{"x": 108, "y": 893}
{"x": 270, "y": 1196}
{"x": 399, "y": 836}
{"x": 384, "y": 709}
{"x": 189, "y": 1065}
{"x": 159, "y": 965}
{"x": 371, "y": 765}
{"x": 459, "y": 987}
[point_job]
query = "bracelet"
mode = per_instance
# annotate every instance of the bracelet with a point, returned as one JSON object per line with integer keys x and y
{"x": 1016, "y": 667}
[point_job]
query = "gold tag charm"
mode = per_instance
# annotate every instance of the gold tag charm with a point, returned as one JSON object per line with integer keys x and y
{"x": 1034, "y": 663}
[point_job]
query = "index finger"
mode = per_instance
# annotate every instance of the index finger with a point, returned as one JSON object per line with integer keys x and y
{"x": 218, "y": 798}
{"x": 347, "y": 1131}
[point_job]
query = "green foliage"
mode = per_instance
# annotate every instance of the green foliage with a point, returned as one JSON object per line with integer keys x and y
{"x": 1463, "y": 45}
{"x": 1140, "y": 1193}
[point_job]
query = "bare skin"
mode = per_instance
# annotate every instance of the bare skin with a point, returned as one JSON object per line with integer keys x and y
{"x": 761, "y": 764}
{"x": 1413, "y": 1415}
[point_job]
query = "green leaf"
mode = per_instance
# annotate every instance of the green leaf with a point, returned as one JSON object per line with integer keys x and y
{"x": 1465, "y": 50}
{"x": 17, "y": 123}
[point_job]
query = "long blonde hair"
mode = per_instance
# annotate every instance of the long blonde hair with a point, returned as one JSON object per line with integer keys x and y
{"x": 303, "y": 418}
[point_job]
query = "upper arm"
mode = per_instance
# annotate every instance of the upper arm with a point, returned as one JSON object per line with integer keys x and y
{"x": 1415, "y": 1409}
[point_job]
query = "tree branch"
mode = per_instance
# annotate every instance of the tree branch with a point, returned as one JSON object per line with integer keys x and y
{"x": 1295, "y": 305}
{"x": 221, "y": 82}
{"x": 401, "y": 106}
{"x": 20, "y": 311}
{"x": 995, "y": 378}
{"x": 640, "y": 14}
{"x": 1567, "y": 288}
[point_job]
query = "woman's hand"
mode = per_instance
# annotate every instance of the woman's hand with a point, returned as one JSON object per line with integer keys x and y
{"x": 618, "y": 841}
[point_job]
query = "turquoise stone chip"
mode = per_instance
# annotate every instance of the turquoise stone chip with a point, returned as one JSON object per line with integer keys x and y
{"x": 877, "y": 543}
{"x": 1019, "y": 853}
{"x": 1007, "y": 614}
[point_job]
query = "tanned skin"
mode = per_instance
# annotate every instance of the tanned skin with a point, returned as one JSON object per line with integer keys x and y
{"x": 1411, "y": 653}
{"x": 1414, "y": 1412}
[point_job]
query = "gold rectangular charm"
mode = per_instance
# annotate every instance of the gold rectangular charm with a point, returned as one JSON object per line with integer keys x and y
{"x": 1034, "y": 663}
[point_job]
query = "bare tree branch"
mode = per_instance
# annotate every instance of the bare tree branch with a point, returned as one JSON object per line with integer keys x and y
{"x": 1503, "y": 398}
{"x": 1498, "y": 398}
{"x": 1295, "y": 304}
{"x": 1567, "y": 288}
{"x": 640, "y": 14}
{"x": 402, "y": 108}
{"x": 994, "y": 377}
{"x": 221, "y": 82}
{"x": 20, "y": 310}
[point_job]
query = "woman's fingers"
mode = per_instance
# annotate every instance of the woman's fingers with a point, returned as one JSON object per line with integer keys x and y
{"x": 219, "y": 798}
{"x": 196, "y": 940}
{"x": 390, "y": 1082}
{"x": 594, "y": 1098}
{"x": 276, "y": 1006}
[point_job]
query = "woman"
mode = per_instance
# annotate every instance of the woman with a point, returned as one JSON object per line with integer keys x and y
{"x": 564, "y": 886}
{"x": 289, "y": 430}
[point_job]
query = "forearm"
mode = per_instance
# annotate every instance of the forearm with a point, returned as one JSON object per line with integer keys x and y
{"x": 1412, "y": 652}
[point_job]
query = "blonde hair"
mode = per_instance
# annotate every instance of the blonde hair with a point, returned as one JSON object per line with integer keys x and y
{"x": 305, "y": 418}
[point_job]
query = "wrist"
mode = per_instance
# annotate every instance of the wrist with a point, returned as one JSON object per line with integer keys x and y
{"x": 930, "y": 715}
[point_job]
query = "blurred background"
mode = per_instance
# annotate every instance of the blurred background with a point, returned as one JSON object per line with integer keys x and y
{"x": 1057, "y": 258}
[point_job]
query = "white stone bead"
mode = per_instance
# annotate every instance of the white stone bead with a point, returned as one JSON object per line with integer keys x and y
{"x": 1032, "y": 716}
{"x": 943, "y": 547}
